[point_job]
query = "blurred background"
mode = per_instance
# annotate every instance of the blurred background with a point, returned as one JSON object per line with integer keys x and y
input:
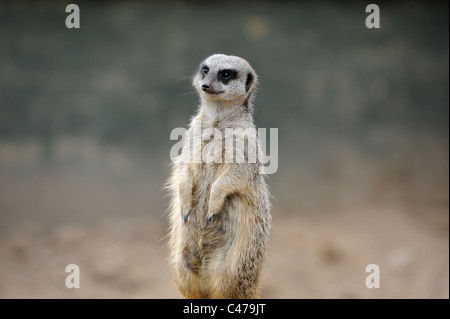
{"x": 363, "y": 122}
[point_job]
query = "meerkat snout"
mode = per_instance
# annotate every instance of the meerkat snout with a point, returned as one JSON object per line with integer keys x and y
{"x": 206, "y": 87}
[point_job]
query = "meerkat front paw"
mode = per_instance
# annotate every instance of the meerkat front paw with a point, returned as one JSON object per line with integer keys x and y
{"x": 185, "y": 207}
{"x": 185, "y": 197}
{"x": 214, "y": 208}
{"x": 185, "y": 211}
{"x": 216, "y": 201}
{"x": 209, "y": 216}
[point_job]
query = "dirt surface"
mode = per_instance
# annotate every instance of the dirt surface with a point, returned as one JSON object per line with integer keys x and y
{"x": 310, "y": 256}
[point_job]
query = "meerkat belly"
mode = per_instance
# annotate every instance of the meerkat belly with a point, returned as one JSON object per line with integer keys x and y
{"x": 203, "y": 241}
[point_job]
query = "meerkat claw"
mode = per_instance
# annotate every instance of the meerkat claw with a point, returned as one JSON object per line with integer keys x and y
{"x": 209, "y": 219}
{"x": 184, "y": 216}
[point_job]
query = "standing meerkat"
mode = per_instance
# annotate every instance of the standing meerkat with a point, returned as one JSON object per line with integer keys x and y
{"x": 220, "y": 211}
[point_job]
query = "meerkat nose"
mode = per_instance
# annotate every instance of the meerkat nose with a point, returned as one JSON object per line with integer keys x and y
{"x": 206, "y": 87}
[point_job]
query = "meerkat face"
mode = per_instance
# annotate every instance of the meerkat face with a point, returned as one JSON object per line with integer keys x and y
{"x": 225, "y": 77}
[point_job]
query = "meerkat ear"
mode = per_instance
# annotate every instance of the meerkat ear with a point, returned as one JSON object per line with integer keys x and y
{"x": 248, "y": 82}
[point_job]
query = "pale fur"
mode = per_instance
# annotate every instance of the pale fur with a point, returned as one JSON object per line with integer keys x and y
{"x": 222, "y": 258}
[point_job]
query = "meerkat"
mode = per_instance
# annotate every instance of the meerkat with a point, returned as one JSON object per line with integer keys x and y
{"x": 220, "y": 212}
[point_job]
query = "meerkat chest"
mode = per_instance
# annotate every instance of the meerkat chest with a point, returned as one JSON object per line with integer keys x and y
{"x": 208, "y": 146}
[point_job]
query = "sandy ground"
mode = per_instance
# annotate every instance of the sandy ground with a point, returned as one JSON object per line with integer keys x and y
{"x": 310, "y": 256}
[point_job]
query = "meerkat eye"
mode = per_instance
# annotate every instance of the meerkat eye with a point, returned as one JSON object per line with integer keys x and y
{"x": 227, "y": 75}
{"x": 205, "y": 70}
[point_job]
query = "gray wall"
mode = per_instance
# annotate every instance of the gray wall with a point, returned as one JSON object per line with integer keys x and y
{"x": 85, "y": 115}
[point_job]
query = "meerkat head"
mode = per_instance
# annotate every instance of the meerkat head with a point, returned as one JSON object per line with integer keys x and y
{"x": 225, "y": 78}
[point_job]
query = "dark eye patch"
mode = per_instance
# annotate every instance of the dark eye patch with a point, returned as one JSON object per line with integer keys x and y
{"x": 226, "y": 75}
